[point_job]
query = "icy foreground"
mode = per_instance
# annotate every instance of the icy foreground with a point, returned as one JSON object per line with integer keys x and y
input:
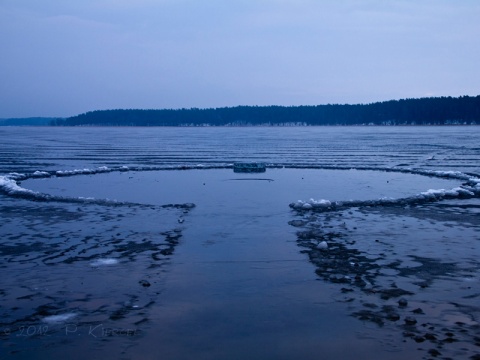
{"x": 117, "y": 248}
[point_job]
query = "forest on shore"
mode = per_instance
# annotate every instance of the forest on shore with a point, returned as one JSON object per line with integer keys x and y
{"x": 464, "y": 110}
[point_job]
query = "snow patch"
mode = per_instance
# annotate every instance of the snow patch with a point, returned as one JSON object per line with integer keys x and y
{"x": 464, "y": 191}
{"x": 41, "y": 174}
{"x": 452, "y": 174}
{"x": 104, "y": 262}
{"x": 11, "y": 187}
{"x": 322, "y": 245}
{"x": 17, "y": 176}
{"x": 54, "y": 319}
{"x": 310, "y": 204}
{"x": 441, "y": 193}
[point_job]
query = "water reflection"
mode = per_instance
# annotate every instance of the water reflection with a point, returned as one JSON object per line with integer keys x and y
{"x": 225, "y": 277}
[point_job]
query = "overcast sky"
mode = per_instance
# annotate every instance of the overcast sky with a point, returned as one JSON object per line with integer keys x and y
{"x": 65, "y": 57}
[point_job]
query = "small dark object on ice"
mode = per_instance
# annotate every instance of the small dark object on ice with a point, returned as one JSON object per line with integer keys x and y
{"x": 410, "y": 320}
{"x": 419, "y": 339}
{"x": 144, "y": 283}
{"x": 434, "y": 352}
{"x": 246, "y": 167}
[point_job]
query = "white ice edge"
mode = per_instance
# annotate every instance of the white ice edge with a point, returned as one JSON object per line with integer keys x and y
{"x": 41, "y": 174}
{"x": 429, "y": 195}
{"x": 53, "y": 319}
{"x": 10, "y": 186}
{"x": 104, "y": 262}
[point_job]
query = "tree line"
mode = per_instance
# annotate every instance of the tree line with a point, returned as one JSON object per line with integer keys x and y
{"x": 464, "y": 110}
{"x": 32, "y": 121}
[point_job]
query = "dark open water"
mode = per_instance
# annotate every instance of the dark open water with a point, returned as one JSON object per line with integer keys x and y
{"x": 142, "y": 243}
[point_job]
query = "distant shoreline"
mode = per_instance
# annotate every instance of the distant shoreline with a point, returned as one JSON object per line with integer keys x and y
{"x": 433, "y": 111}
{"x": 48, "y": 124}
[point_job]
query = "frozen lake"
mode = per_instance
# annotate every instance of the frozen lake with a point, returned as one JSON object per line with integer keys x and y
{"x": 143, "y": 243}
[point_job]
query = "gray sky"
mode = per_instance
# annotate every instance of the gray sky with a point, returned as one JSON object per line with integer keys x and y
{"x": 65, "y": 57}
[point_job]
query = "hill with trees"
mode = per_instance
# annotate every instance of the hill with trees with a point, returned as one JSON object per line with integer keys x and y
{"x": 464, "y": 110}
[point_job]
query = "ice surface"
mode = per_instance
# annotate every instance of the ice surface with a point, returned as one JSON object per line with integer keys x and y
{"x": 241, "y": 272}
{"x": 180, "y": 185}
